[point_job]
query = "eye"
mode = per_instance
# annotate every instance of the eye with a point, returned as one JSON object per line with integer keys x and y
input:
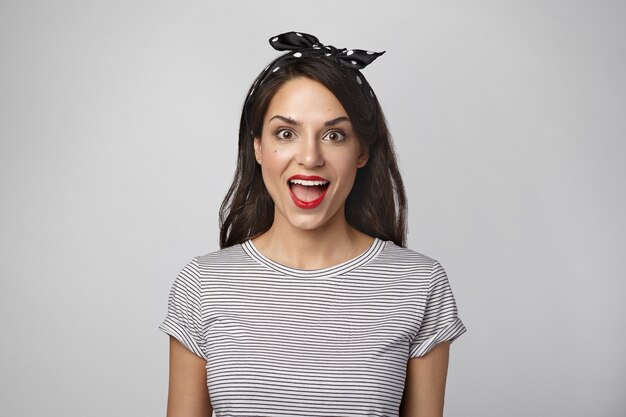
{"x": 284, "y": 134}
{"x": 335, "y": 136}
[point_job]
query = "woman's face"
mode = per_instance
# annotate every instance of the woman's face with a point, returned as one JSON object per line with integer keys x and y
{"x": 309, "y": 155}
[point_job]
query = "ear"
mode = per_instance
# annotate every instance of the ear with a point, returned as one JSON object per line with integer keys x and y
{"x": 363, "y": 157}
{"x": 257, "y": 149}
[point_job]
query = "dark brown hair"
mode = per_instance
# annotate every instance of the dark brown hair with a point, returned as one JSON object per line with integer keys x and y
{"x": 376, "y": 204}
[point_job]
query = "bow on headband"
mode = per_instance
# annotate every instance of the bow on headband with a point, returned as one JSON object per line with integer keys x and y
{"x": 308, "y": 45}
{"x": 304, "y": 45}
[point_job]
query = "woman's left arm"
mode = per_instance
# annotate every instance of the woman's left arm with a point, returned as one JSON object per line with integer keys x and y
{"x": 425, "y": 384}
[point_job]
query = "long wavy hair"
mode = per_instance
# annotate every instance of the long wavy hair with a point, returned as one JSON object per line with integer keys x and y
{"x": 376, "y": 204}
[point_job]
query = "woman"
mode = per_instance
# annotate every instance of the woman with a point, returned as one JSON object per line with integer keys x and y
{"x": 313, "y": 307}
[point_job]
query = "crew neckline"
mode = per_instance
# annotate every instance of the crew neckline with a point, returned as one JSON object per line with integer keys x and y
{"x": 370, "y": 253}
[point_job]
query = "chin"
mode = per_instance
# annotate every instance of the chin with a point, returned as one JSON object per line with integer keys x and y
{"x": 312, "y": 221}
{"x": 307, "y": 225}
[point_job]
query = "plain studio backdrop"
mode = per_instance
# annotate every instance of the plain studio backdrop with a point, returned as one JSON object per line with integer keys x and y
{"x": 118, "y": 124}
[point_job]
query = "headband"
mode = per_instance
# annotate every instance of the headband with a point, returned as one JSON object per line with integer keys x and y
{"x": 302, "y": 45}
{"x": 308, "y": 45}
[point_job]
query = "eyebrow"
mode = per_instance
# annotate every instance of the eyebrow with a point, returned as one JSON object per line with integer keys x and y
{"x": 297, "y": 123}
{"x": 336, "y": 121}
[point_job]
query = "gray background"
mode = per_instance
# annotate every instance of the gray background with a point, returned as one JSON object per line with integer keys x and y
{"x": 118, "y": 123}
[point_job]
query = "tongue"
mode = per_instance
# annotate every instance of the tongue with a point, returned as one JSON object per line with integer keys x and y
{"x": 307, "y": 193}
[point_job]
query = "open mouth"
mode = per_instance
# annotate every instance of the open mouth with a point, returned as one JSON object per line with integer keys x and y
{"x": 308, "y": 192}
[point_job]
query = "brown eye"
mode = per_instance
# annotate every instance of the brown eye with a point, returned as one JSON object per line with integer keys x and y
{"x": 335, "y": 136}
{"x": 284, "y": 134}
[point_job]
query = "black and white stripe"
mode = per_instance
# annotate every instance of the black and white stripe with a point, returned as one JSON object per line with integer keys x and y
{"x": 280, "y": 341}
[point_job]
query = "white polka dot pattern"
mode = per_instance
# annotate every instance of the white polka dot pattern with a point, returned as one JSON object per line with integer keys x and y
{"x": 303, "y": 45}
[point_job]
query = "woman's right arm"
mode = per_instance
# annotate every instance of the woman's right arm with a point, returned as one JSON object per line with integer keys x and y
{"x": 188, "y": 393}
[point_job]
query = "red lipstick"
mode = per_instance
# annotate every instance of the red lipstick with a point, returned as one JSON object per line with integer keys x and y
{"x": 303, "y": 180}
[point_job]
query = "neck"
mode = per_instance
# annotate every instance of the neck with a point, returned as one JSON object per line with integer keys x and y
{"x": 333, "y": 243}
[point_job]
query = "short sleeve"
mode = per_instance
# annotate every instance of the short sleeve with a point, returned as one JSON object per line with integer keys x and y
{"x": 184, "y": 313}
{"x": 440, "y": 322}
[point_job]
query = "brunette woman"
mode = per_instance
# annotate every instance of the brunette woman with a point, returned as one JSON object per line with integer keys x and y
{"x": 313, "y": 306}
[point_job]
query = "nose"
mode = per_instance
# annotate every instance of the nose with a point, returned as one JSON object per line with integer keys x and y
{"x": 309, "y": 154}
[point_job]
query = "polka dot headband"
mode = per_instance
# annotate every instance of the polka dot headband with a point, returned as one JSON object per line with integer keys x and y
{"x": 304, "y": 45}
{"x": 308, "y": 45}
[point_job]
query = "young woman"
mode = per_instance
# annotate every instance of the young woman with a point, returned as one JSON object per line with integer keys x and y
{"x": 313, "y": 306}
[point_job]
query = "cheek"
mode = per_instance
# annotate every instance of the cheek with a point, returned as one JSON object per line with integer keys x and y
{"x": 345, "y": 165}
{"x": 274, "y": 153}
{"x": 274, "y": 159}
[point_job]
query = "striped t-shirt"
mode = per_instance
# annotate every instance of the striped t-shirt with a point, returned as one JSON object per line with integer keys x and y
{"x": 280, "y": 341}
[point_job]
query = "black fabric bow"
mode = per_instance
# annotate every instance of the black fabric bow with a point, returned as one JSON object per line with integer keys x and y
{"x": 304, "y": 45}
{"x": 309, "y": 45}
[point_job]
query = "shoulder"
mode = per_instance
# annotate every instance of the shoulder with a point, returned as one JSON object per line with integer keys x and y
{"x": 225, "y": 259}
{"x": 402, "y": 266}
{"x": 232, "y": 262}
{"x": 398, "y": 257}
{"x": 227, "y": 256}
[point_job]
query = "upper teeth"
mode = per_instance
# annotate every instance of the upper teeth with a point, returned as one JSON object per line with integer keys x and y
{"x": 307, "y": 182}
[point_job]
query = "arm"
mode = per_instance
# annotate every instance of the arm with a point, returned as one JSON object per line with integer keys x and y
{"x": 425, "y": 383}
{"x": 188, "y": 393}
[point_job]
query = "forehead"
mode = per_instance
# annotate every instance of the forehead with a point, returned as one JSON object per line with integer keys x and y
{"x": 304, "y": 99}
